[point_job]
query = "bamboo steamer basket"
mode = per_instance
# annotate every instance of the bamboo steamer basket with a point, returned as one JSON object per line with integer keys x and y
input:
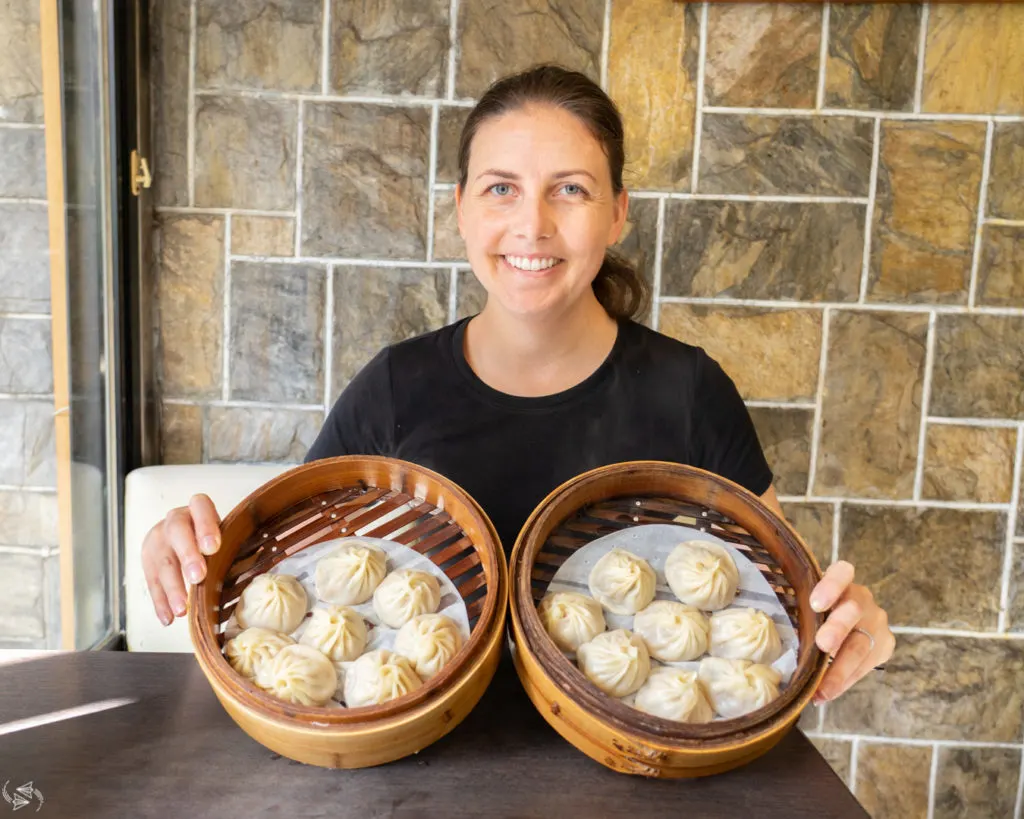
{"x": 609, "y": 499}
{"x": 338, "y": 497}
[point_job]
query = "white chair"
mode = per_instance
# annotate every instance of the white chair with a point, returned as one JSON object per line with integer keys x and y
{"x": 149, "y": 493}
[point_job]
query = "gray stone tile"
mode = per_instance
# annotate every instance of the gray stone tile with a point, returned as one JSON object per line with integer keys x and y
{"x": 892, "y": 780}
{"x": 1001, "y": 265}
{"x": 24, "y": 259}
{"x": 368, "y": 197}
{"x": 28, "y": 518}
{"x": 763, "y": 250}
{"x": 389, "y": 47}
{"x": 470, "y": 296}
{"x": 245, "y": 435}
{"x": 277, "y": 332}
{"x": 450, "y": 122}
{"x": 245, "y": 153}
{"x": 567, "y": 32}
{"x": 259, "y": 44}
{"x": 972, "y": 782}
{"x": 785, "y": 436}
{"x": 21, "y": 605}
{"x": 27, "y": 454}
{"x": 21, "y": 67}
{"x": 181, "y": 434}
{"x": 1005, "y": 193}
{"x": 813, "y": 522}
{"x": 169, "y": 59}
{"x": 263, "y": 235}
{"x": 23, "y": 170}
{"x": 25, "y": 357}
{"x": 374, "y": 307}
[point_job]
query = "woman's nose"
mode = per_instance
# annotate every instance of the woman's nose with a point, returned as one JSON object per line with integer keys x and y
{"x": 534, "y": 219}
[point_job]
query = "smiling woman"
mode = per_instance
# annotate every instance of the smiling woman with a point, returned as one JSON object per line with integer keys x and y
{"x": 553, "y": 377}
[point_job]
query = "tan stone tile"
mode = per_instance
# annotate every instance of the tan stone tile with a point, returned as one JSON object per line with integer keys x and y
{"x": 21, "y": 68}
{"x": 259, "y": 44}
{"x": 978, "y": 367}
{"x": 247, "y": 435}
{"x": 770, "y": 354}
{"x": 809, "y": 718}
{"x": 989, "y": 39}
{"x": 968, "y": 463}
{"x": 258, "y": 171}
{"x": 450, "y": 122}
{"x": 21, "y": 607}
{"x": 25, "y": 259}
{"x": 837, "y": 753}
{"x": 892, "y": 780}
{"x": 23, "y": 170}
{"x": 813, "y": 522}
{"x": 1015, "y": 601}
{"x": 1006, "y": 175}
{"x": 190, "y": 304}
{"x": 638, "y": 245}
{"x": 935, "y": 568}
{"x": 652, "y": 75}
{"x": 263, "y": 235}
{"x": 566, "y": 32}
{"x": 389, "y": 47}
{"x": 1001, "y": 266}
{"x": 26, "y": 363}
{"x": 448, "y": 244}
{"x": 382, "y": 306}
{"x": 763, "y": 55}
{"x": 169, "y": 22}
{"x": 976, "y": 782}
{"x": 929, "y": 176}
{"x": 277, "y": 332}
{"x": 871, "y": 405}
{"x": 470, "y": 295}
{"x": 181, "y": 434}
{"x": 872, "y": 56}
{"x": 763, "y": 250}
{"x": 28, "y": 518}
{"x": 756, "y": 154}
{"x": 371, "y": 182}
{"x": 785, "y": 436}
{"x": 959, "y": 688}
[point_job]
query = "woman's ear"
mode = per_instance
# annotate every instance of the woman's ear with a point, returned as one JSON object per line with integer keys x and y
{"x": 621, "y": 211}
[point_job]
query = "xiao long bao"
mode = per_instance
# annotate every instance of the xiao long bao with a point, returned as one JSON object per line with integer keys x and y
{"x": 571, "y": 619}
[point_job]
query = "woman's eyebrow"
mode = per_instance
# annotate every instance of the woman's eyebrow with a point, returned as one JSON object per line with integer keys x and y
{"x": 514, "y": 176}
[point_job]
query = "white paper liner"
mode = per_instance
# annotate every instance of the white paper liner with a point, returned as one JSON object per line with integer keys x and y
{"x": 303, "y": 567}
{"x": 654, "y": 543}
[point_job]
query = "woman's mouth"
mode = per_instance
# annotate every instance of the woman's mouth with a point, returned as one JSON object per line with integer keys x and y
{"x": 535, "y": 266}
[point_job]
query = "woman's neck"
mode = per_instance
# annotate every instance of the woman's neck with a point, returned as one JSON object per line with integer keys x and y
{"x": 542, "y": 355}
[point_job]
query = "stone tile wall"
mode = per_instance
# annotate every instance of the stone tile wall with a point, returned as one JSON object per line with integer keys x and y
{"x": 827, "y": 198}
{"x": 29, "y": 565}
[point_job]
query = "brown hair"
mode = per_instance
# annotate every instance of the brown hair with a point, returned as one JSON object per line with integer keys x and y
{"x": 619, "y": 288}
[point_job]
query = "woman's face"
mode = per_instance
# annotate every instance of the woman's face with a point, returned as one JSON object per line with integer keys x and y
{"x": 538, "y": 210}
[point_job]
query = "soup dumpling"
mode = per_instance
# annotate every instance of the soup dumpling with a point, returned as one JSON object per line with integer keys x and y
{"x": 672, "y": 630}
{"x": 377, "y": 677}
{"x": 405, "y": 593}
{"x": 299, "y": 674}
{"x": 616, "y": 661}
{"x": 351, "y": 573}
{"x": 429, "y": 641}
{"x": 737, "y": 687}
{"x": 253, "y": 647}
{"x": 273, "y": 601}
{"x": 337, "y": 631}
{"x": 622, "y": 582}
{"x": 702, "y": 574}
{"x": 745, "y": 634}
{"x": 674, "y": 693}
{"x": 571, "y": 618}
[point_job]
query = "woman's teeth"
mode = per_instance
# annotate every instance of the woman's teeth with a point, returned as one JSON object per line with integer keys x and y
{"x": 530, "y": 264}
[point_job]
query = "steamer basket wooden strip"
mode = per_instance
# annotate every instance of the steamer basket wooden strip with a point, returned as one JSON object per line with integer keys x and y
{"x": 450, "y": 551}
{"x": 437, "y": 538}
{"x": 471, "y": 585}
{"x": 300, "y": 511}
{"x": 355, "y": 523}
{"x": 414, "y": 536}
{"x": 385, "y": 530}
{"x": 470, "y": 561}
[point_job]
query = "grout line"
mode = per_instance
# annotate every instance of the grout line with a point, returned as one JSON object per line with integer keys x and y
{"x": 328, "y": 338}
{"x": 1011, "y": 525}
{"x": 794, "y": 405}
{"x": 819, "y": 101}
{"x": 299, "y": 135}
{"x": 933, "y": 774}
{"x": 869, "y": 214}
{"x": 928, "y": 631}
{"x": 606, "y": 37}
{"x": 22, "y": 126}
{"x": 974, "y": 422}
{"x": 22, "y": 200}
{"x": 338, "y": 261}
{"x": 1003, "y": 222}
{"x": 443, "y": 186}
{"x": 920, "y": 743}
{"x": 658, "y": 252}
{"x": 837, "y": 527}
{"x": 34, "y": 490}
{"x": 238, "y": 403}
{"x": 1019, "y": 809}
{"x": 979, "y": 222}
{"x": 453, "y": 296}
{"x": 316, "y": 96}
{"x": 26, "y": 396}
{"x": 699, "y": 107}
{"x": 289, "y": 214}
{"x": 963, "y": 506}
{"x": 747, "y": 197}
{"x": 840, "y": 305}
{"x": 431, "y": 177}
{"x": 821, "y": 716}
{"x": 226, "y": 335}
{"x": 901, "y": 116}
{"x": 453, "y": 46}
{"x": 191, "y": 131}
{"x": 854, "y": 754}
{"x": 25, "y": 316}
{"x": 819, "y": 396}
{"x": 325, "y": 48}
{"x": 926, "y": 397}
{"x": 43, "y": 552}
{"x": 922, "y": 39}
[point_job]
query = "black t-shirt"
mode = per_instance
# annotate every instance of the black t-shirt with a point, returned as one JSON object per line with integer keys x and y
{"x": 653, "y": 398}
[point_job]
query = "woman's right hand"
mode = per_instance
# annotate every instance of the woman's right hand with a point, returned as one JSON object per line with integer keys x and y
{"x": 173, "y": 552}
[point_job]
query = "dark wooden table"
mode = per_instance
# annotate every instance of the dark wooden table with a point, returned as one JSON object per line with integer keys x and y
{"x": 176, "y": 753}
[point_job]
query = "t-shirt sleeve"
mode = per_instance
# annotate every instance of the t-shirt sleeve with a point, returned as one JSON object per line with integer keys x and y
{"x": 725, "y": 441}
{"x": 362, "y": 420}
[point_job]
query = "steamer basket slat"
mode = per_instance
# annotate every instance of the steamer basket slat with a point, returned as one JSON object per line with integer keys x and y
{"x": 338, "y": 497}
{"x": 613, "y": 498}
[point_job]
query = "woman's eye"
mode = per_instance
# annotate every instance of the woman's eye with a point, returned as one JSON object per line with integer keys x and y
{"x": 501, "y": 188}
{"x": 572, "y": 188}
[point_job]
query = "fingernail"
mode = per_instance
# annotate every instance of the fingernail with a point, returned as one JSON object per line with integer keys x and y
{"x": 194, "y": 573}
{"x": 179, "y": 607}
{"x": 817, "y": 603}
{"x": 165, "y": 618}
{"x": 208, "y": 545}
{"x": 823, "y": 695}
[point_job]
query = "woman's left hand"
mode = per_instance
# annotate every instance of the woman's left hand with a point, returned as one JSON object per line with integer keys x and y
{"x": 856, "y": 632}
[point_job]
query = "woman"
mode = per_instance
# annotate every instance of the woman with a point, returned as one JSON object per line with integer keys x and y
{"x": 552, "y": 378}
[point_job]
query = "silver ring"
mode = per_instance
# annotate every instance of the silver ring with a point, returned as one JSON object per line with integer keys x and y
{"x": 867, "y": 634}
